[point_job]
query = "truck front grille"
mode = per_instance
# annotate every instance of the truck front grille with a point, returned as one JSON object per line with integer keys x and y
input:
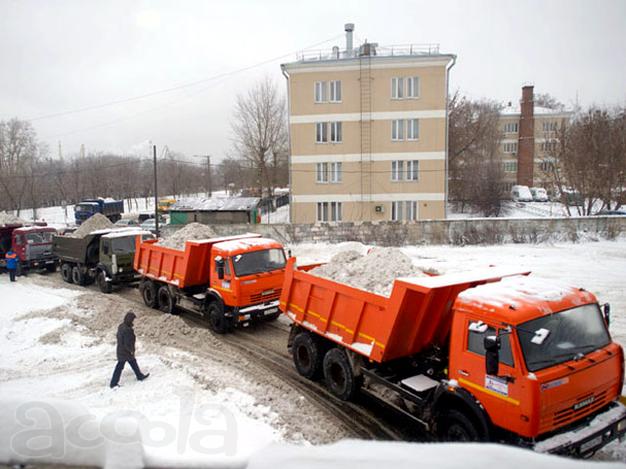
{"x": 261, "y": 298}
{"x": 571, "y": 414}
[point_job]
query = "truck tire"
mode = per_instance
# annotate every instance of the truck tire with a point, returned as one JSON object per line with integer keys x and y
{"x": 338, "y": 374}
{"x": 218, "y": 323}
{"x": 308, "y": 355}
{"x": 167, "y": 303}
{"x": 77, "y": 276}
{"x": 453, "y": 425}
{"x": 66, "y": 273}
{"x": 272, "y": 317}
{"x": 105, "y": 286}
{"x": 149, "y": 294}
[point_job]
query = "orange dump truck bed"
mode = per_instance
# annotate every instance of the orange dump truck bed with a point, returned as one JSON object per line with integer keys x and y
{"x": 417, "y": 314}
{"x": 183, "y": 269}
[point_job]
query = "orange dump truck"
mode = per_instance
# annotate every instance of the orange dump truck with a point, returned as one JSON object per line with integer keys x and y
{"x": 231, "y": 280}
{"x": 492, "y": 355}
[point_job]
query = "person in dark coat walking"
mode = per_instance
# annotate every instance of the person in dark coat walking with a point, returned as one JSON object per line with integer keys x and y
{"x": 11, "y": 260}
{"x": 126, "y": 350}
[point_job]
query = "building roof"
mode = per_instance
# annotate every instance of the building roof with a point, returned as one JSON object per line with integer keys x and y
{"x": 515, "y": 110}
{"x": 381, "y": 54}
{"x": 216, "y": 204}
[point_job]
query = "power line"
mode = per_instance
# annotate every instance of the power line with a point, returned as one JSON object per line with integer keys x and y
{"x": 175, "y": 88}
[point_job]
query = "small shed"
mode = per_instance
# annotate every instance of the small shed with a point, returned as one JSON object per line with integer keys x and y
{"x": 225, "y": 211}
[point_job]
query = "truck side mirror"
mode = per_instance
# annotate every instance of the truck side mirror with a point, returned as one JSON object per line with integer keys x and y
{"x": 492, "y": 354}
{"x": 105, "y": 249}
{"x": 606, "y": 310}
{"x": 289, "y": 253}
{"x": 219, "y": 266}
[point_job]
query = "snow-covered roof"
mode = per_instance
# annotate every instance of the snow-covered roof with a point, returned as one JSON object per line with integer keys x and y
{"x": 519, "y": 293}
{"x": 221, "y": 204}
{"x": 246, "y": 243}
{"x": 515, "y": 110}
{"x": 124, "y": 233}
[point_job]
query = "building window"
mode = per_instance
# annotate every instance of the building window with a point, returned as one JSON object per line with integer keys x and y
{"x": 549, "y": 126}
{"x": 412, "y": 170}
{"x": 320, "y": 92}
{"x": 412, "y": 129}
{"x": 328, "y": 211}
{"x": 510, "y": 147}
{"x": 335, "y": 172}
{"x": 321, "y": 132}
{"x": 321, "y": 173}
{"x": 406, "y": 210}
{"x": 510, "y": 166}
{"x": 413, "y": 87}
{"x": 397, "y": 170}
{"x": 335, "y": 91}
{"x": 510, "y": 127}
{"x": 546, "y": 166}
{"x": 549, "y": 147}
{"x": 397, "y": 88}
{"x": 335, "y": 132}
{"x": 397, "y": 129}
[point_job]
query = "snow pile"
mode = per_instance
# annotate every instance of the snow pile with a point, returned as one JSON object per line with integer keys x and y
{"x": 93, "y": 223}
{"x": 10, "y": 219}
{"x": 375, "y": 454}
{"x": 192, "y": 231}
{"x": 374, "y": 272}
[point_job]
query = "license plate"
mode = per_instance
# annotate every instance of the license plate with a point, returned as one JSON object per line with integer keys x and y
{"x": 270, "y": 311}
{"x": 591, "y": 443}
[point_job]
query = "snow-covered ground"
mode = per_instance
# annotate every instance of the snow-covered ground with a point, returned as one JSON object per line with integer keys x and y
{"x": 185, "y": 412}
{"x": 181, "y": 422}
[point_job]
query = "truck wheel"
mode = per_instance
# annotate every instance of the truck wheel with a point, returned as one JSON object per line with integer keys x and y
{"x": 455, "y": 426}
{"x": 308, "y": 356}
{"x": 149, "y": 294}
{"x": 66, "y": 273}
{"x": 51, "y": 268}
{"x": 167, "y": 303}
{"x": 77, "y": 276}
{"x": 218, "y": 323}
{"x": 105, "y": 286}
{"x": 340, "y": 379}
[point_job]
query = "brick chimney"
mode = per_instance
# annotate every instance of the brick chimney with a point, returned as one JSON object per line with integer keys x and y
{"x": 526, "y": 144}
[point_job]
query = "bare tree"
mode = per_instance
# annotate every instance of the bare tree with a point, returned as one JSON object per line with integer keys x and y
{"x": 476, "y": 172}
{"x": 589, "y": 161}
{"x": 548, "y": 101}
{"x": 259, "y": 130}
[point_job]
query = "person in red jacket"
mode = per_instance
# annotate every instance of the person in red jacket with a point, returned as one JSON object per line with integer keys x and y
{"x": 12, "y": 262}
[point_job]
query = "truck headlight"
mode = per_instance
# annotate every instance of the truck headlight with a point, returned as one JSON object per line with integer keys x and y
{"x": 621, "y": 425}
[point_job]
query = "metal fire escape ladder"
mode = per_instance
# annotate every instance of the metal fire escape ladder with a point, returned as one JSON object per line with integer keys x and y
{"x": 365, "y": 79}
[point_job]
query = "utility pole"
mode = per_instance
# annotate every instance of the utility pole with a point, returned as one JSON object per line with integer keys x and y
{"x": 156, "y": 191}
{"x": 209, "y": 187}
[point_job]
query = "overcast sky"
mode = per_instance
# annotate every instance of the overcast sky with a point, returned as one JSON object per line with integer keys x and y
{"x": 63, "y": 55}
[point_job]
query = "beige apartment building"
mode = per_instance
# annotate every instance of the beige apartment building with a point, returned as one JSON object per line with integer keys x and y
{"x": 530, "y": 138}
{"x": 367, "y": 129}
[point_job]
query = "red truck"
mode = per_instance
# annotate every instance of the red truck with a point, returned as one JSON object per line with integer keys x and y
{"x": 32, "y": 244}
{"x": 493, "y": 355}
{"x": 230, "y": 280}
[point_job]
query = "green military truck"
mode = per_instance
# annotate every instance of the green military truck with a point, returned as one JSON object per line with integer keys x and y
{"x": 103, "y": 256}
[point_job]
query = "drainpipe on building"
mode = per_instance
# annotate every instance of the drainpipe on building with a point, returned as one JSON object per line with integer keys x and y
{"x": 445, "y": 197}
{"x": 286, "y": 75}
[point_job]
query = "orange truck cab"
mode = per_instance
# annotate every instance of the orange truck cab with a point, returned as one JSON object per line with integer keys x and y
{"x": 32, "y": 244}
{"x": 231, "y": 280}
{"x": 491, "y": 355}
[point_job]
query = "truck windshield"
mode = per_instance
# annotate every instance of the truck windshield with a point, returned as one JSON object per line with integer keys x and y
{"x": 563, "y": 336}
{"x": 258, "y": 261}
{"x": 123, "y": 245}
{"x": 39, "y": 238}
{"x": 85, "y": 208}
